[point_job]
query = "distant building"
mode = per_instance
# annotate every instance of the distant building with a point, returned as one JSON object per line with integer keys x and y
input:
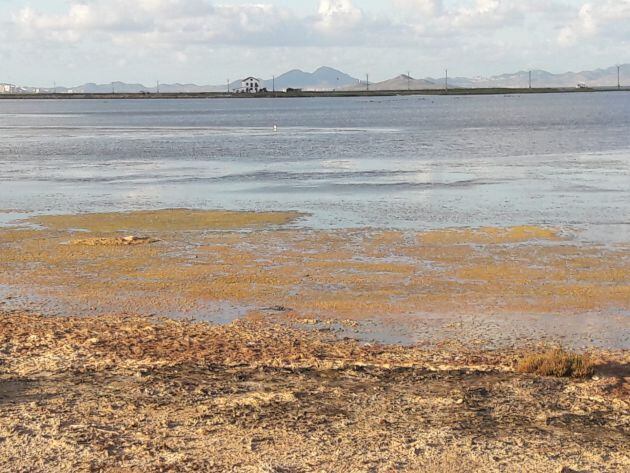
{"x": 7, "y": 89}
{"x": 250, "y": 85}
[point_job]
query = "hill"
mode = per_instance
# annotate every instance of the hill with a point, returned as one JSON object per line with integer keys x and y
{"x": 402, "y": 82}
{"x": 596, "y": 78}
{"x": 324, "y": 78}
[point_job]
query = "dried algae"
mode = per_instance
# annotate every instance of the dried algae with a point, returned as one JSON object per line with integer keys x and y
{"x": 164, "y": 220}
{"x": 131, "y": 394}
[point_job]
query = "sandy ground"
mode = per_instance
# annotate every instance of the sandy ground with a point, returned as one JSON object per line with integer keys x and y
{"x": 114, "y": 393}
{"x": 272, "y": 385}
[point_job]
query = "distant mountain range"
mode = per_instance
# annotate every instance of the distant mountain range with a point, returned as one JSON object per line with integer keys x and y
{"x": 596, "y": 78}
{"x": 327, "y": 78}
{"x": 324, "y": 78}
{"x": 402, "y": 82}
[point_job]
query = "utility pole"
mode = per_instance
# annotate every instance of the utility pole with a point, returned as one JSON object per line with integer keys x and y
{"x": 446, "y": 82}
{"x": 619, "y": 77}
{"x": 408, "y": 80}
{"x": 157, "y": 87}
{"x": 54, "y": 87}
{"x": 530, "y": 79}
{"x": 367, "y": 82}
{"x": 274, "y": 84}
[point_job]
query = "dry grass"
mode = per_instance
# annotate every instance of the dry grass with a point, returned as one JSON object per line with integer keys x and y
{"x": 557, "y": 362}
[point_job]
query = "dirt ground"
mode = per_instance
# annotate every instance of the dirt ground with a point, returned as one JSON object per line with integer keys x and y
{"x": 129, "y": 394}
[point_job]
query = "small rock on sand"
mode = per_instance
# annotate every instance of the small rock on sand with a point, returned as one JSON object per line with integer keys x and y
{"x": 114, "y": 241}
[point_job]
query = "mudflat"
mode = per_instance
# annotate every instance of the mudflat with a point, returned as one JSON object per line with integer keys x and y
{"x": 490, "y": 286}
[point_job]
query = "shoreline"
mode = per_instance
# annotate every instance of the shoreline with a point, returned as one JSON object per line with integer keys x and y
{"x": 306, "y": 94}
{"x": 129, "y": 393}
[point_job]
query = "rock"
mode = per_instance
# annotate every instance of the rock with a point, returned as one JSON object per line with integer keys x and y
{"x": 114, "y": 241}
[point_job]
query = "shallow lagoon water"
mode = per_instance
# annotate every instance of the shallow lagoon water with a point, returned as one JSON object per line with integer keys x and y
{"x": 395, "y": 162}
{"x": 417, "y": 163}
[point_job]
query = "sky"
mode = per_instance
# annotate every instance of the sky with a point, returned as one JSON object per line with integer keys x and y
{"x": 70, "y": 42}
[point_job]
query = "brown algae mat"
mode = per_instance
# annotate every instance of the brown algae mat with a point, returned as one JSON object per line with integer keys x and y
{"x": 165, "y": 220}
{"x": 143, "y": 394}
{"x": 197, "y": 260}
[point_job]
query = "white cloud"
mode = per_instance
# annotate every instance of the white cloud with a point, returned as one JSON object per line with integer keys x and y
{"x": 138, "y": 34}
{"x": 485, "y": 13}
{"x": 607, "y": 18}
{"x": 336, "y": 22}
{"x": 193, "y": 20}
{"x": 465, "y": 17}
{"x": 337, "y": 15}
{"x": 427, "y": 8}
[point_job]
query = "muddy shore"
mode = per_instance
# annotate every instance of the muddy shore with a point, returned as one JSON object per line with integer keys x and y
{"x": 267, "y": 360}
{"x": 493, "y": 287}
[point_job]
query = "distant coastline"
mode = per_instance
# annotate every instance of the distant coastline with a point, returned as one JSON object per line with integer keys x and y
{"x": 302, "y": 94}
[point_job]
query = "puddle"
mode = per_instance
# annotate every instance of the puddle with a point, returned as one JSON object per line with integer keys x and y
{"x": 216, "y": 312}
{"x": 610, "y": 331}
{"x": 13, "y": 218}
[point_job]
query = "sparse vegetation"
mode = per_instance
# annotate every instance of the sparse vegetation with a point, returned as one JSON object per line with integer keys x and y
{"x": 557, "y": 362}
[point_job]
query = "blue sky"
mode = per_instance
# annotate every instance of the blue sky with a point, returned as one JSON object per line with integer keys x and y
{"x": 207, "y": 41}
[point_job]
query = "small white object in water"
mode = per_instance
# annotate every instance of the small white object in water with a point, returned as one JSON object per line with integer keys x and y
{"x": 275, "y": 128}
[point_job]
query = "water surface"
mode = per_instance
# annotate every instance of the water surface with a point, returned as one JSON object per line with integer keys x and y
{"x": 395, "y": 162}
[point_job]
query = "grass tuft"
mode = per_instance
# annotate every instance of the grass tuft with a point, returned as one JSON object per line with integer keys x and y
{"x": 557, "y": 362}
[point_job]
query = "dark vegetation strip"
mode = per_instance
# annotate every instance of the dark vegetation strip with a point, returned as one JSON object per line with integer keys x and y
{"x": 297, "y": 94}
